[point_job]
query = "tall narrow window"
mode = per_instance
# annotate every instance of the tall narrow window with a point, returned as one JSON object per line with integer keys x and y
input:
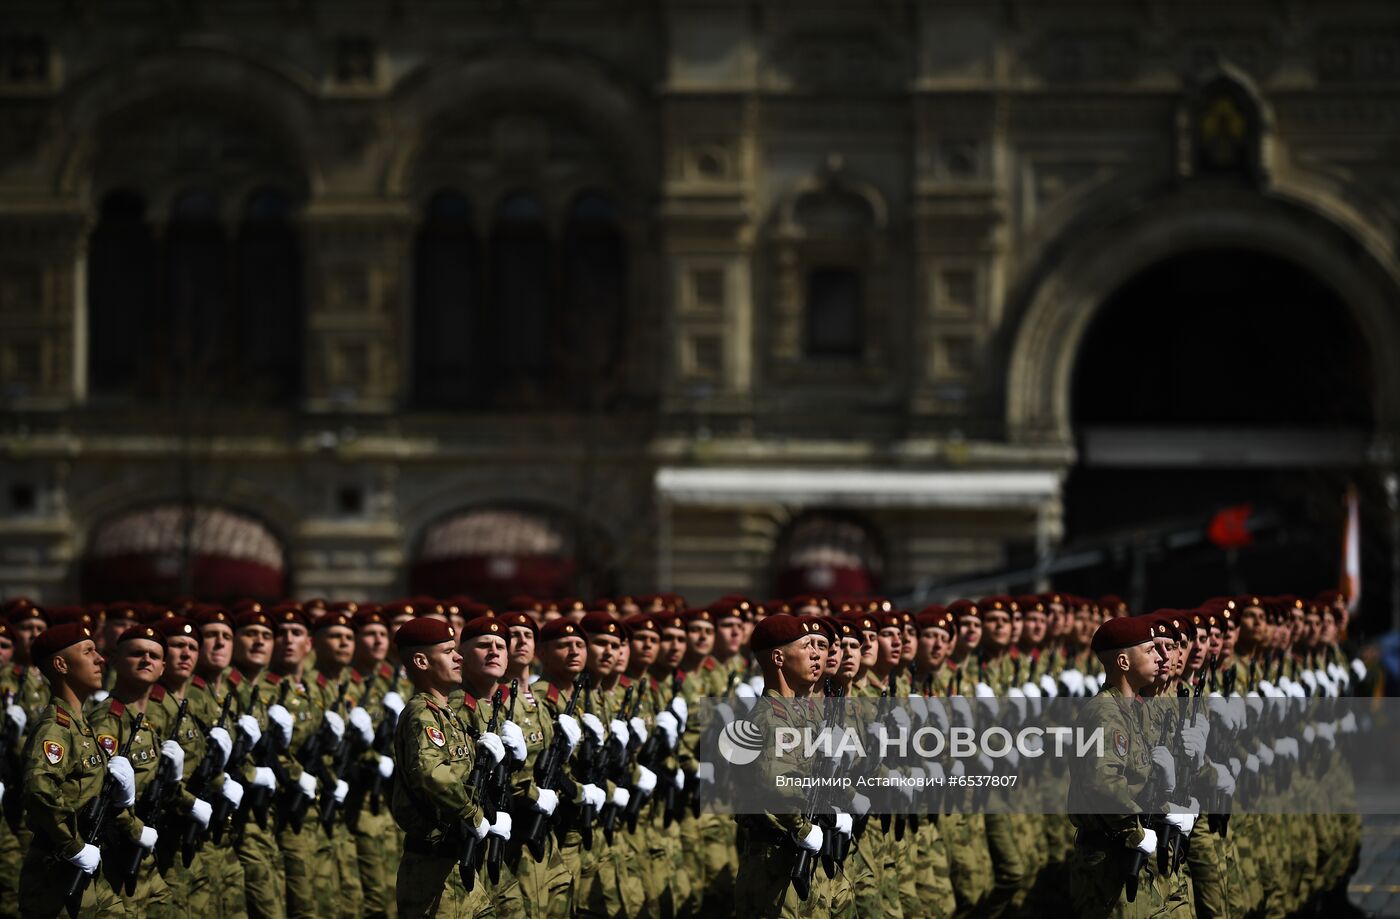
{"x": 834, "y": 314}
{"x": 269, "y": 316}
{"x": 201, "y": 334}
{"x": 595, "y": 300}
{"x": 447, "y": 365}
{"x": 122, "y": 295}
{"x": 522, "y": 308}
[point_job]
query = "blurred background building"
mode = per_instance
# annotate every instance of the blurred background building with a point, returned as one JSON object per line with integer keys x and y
{"x": 364, "y": 297}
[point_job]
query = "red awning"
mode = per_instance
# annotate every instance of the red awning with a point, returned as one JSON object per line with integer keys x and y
{"x": 139, "y": 556}
{"x": 493, "y": 554}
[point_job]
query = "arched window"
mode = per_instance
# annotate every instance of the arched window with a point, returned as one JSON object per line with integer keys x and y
{"x": 594, "y": 294}
{"x": 269, "y": 299}
{"x": 199, "y": 327}
{"x": 122, "y": 295}
{"x": 521, "y": 301}
{"x": 447, "y": 370}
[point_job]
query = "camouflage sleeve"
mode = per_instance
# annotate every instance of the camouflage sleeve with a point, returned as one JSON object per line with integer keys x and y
{"x": 48, "y": 813}
{"x": 780, "y": 776}
{"x": 431, "y": 776}
{"x": 1100, "y": 791}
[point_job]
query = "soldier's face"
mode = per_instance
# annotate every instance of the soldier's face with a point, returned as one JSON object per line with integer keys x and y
{"x": 439, "y": 666}
{"x": 564, "y": 655}
{"x": 1227, "y": 641}
{"x": 253, "y": 646}
{"x": 831, "y": 657}
{"x": 522, "y": 645}
{"x": 7, "y": 651}
{"x": 602, "y": 654}
{"x": 81, "y": 666}
{"x": 1018, "y": 625}
{"x": 730, "y": 636}
{"x": 292, "y": 644}
{"x": 623, "y": 656}
{"x": 399, "y": 620}
{"x": 112, "y": 630}
{"x": 372, "y": 642}
{"x": 139, "y": 661}
{"x": 969, "y": 633}
{"x": 645, "y": 646}
{"x": 1216, "y": 643}
{"x": 700, "y": 636}
{"x": 1329, "y": 632}
{"x": 802, "y": 663}
{"x": 869, "y": 648}
{"x": 1251, "y": 622}
{"x": 335, "y": 643}
{"x": 891, "y": 642}
{"x": 24, "y": 632}
{"x": 1032, "y": 628}
{"x": 933, "y": 648}
{"x": 909, "y": 645}
{"x": 216, "y": 645}
{"x": 484, "y": 658}
{"x": 850, "y": 657}
{"x": 1198, "y": 649}
{"x": 181, "y": 654}
{"x": 672, "y": 647}
{"x": 996, "y": 629}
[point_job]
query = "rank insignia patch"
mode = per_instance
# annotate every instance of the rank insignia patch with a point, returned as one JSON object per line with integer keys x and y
{"x": 53, "y": 751}
{"x": 1120, "y": 743}
{"x": 436, "y": 736}
{"x": 109, "y": 743}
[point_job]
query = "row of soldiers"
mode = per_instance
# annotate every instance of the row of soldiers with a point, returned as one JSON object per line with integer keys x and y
{"x": 440, "y": 758}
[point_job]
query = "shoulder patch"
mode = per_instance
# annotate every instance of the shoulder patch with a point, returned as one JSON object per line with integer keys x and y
{"x": 18, "y": 670}
{"x": 198, "y": 681}
{"x": 117, "y": 708}
{"x": 158, "y": 693}
{"x": 60, "y": 718}
{"x": 108, "y": 743}
{"x": 1120, "y": 743}
{"x": 435, "y": 735}
{"x": 53, "y": 752}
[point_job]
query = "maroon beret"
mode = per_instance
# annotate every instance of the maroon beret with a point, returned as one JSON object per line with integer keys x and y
{"x": 142, "y": 632}
{"x": 328, "y": 620}
{"x": 367, "y": 616}
{"x": 936, "y": 617}
{"x": 776, "y": 631}
{"x": 559, "y": 628}
{"x": 484, "y": 625}
{"x": 888, "y": 620}
{"x": 51, "y": 641}
{"x": 251, "y": 617}
{"x": 962, "y": 609}
{"x": 397, "y": 608}
{"x": 1123, "y": 632}
{"x": 175, "y": 626}
{"x": 519, "y": 620}
{"x": 702, "y": 614}
{"x": 58, "y": 615}
{"x": 642, "y": 622}
{"x": 422, "y": 632}
{"x": 601, "y": 624}
{"x": 521, "y": 603}
{"x": 20, "y": 609}
{"x": 825, "y": 625}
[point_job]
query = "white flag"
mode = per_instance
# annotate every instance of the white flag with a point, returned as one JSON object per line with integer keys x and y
{"x": 1351, "y": 553}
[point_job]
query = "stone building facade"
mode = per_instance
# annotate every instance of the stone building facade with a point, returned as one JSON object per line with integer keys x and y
{"x": 612, "y": 295}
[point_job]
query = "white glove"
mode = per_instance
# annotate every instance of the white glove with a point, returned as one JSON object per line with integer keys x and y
{"x": 722, "y": 713}
{"x": 1048, "y": 684}
{"x": 394, "y": 703}
{"x": 1328, "y": 732}
{"x": 120, "y": 769}
{"x": 223, "y": 741}
{"x": 918, "y": 705}
{"x": 1017, "y": 700}
{"x": 1251, "y": 762}
{"x": 646, "y": 780}
{"x": 756, "y": 684}
{"x": 745, "y": 694}
{"x": 1236, "y": 707}
{"x": 844, "y": 824}
{"x": 639, "y": 728}
{"x": 232, "y": 791}
{"x": 670, "y": 726}
{"x": 1224, "y": 782}
{"x": 938, "y": 714}
{"x": 593, "y": 795}
{"x": 1266, "y": 754}
{"x": 87, "y": 858}
{"x": 1183, "y": 822}
{"x": 569, "y": 726}
{"x": 546, "y": 800}
{"x": 860, "y": 804}
{"x": 959, "y": 770}
{"x": 1091, "y": 686}
{"x": 386, "y": 767}
{"x": 1149, "y": 841}
{"x": 148, "y": 837}
{"x": 1193, "y": 741}
{"x": 961, "y": 709}
{"x": 1286, "y": 747}
{"x": 681, "y": 709}
{"x": 17, "y": 715}
{"x": 901, "y": 720}
{"x": 176, "y": 754}
{"x": 501, "y": 827}
{"x": 99, "y": 696}
{"x": 595, "y": 727}
{"x": 307, "y": 783}
{"x": 1162, "y": 757}
{"x": 621, "y": 797}
{"x": 1310, "y": 679}
{"x": 1296, "y": 690}
{"x": 986, "y": 699}
{"x": 1235, "y": 766}
{"x": 1031, "y": 691}
{"x": 705, "y": 772}
{"x": 336, "y": 724}
{"x": 263, "y": 778}
{"x": 1348, "y": 724}
{"x": 200, "y": 812}
{"x": 249, "y": 726}
{"x": 1358, "y": 668}
{"x": 490, "y": 744}
{"x": 342, "y": 791}
{"x": 984, "y": 762}
{"x": 482, "y": 828}
{"x": 359, "y": 720}
{"x": 1074, "y": 681}
{"x": 1266, "y": 688}
{"x": 679, "y": 779}
{"x": 619, "y": 731}
{"x": 1255, "y": 703}
{"x": 983, "y": 691}
{"x": 1336, "y": 672}
{"x": 514, "y": 740}
{"x": 282, "y": 718}
{"x": 812, "y": 842}
{"x": 1309, "y": 735}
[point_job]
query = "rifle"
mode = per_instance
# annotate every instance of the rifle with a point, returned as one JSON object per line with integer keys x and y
{"x": 1150, "y": 792}
{"x": 476, "y": 791}
{"x": 150, "y": 809}
{"x": 259, "y": 800}
{"x": 383, "y": 744}
{"x": 203, "y": 777}
{"x": 11, "y": 770}
{"x": 802, "y": 863}
{"x": 900, "y": 820}
{"x": 650, "y": 754}
{"x": 366, "y": 782}
{"x": 613, "y": 750}
{"x": 670, "y": 798}
{"x": 72, "y": 879}
{"x": 588, "y": 761}
{"x": 309, "y": 756}
{"x": 495, "y": 847}
{"x": 548, "y": 772}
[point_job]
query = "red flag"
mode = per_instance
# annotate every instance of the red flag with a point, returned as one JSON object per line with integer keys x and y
{"x": 1351, "y": 552}
{"x": 1229, "y": 529}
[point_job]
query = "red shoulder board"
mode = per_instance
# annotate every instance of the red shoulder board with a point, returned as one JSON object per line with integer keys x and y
{"x": 778, "y": 706}
{"x": 235, "y": 676}
{"x": 274, "y": 678}
{"x": 469, "y": 700}
{"x": 624, "y": 681}
{"x": 158, "y": 693}
{"x": 1035, "y": 655}
{"x": 60, "y": 718}
{"x": 321, "y": 679}
{"x": 355, "y": 676}
{"x": 680, "y": 675}
{"x": 553, "y": 694}
{"x": 199, "y": 683}
{"x": 1014, "y": 652}
{"x": 117, "y": 708}
{"x": 386, "y": 671}
{"x": 431, "y": 704}
{"x": 18, "y": 670}
{"x": 655, "y": 686}
{"x": 709, "y": 663}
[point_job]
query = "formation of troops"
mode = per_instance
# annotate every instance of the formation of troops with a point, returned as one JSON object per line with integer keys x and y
{"x": 439, "y": 758}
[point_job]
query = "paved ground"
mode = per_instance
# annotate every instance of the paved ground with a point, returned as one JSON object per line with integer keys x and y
{"x": 1376, "y": 887}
